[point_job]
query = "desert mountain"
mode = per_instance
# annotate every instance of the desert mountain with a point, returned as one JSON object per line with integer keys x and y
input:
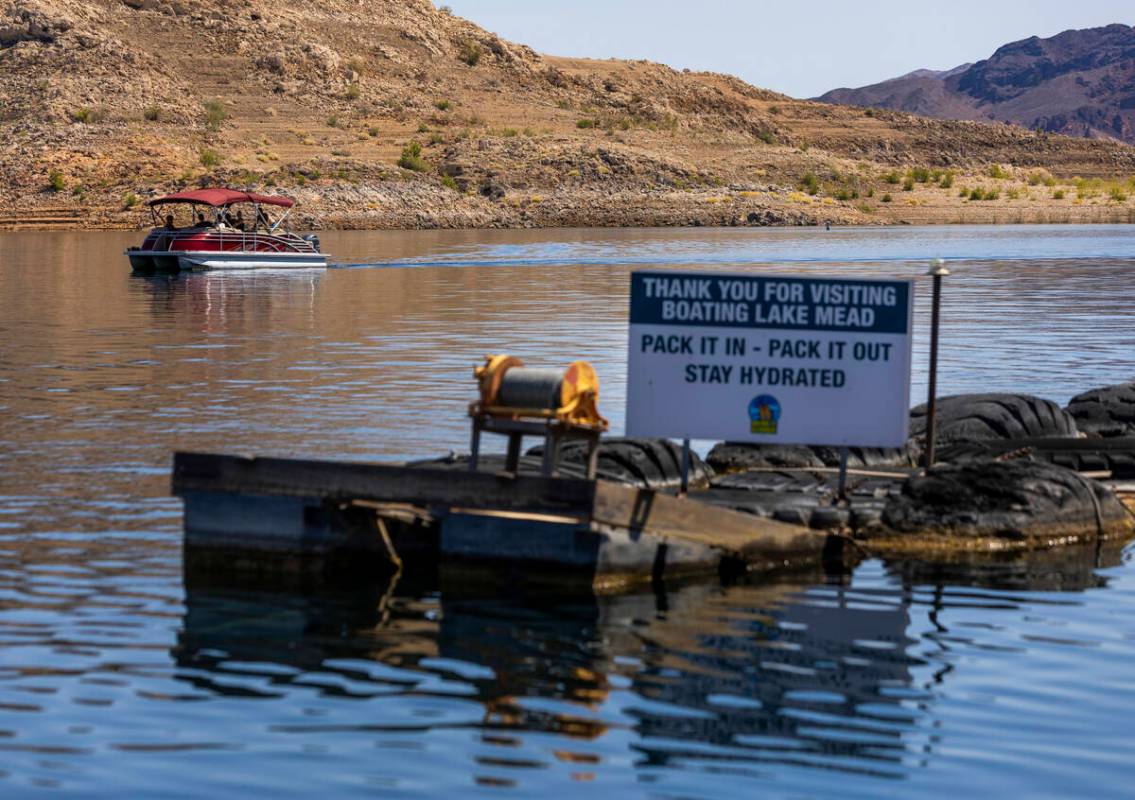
{"x": 1078, "y": 83}
{"x": 376, "y": 113}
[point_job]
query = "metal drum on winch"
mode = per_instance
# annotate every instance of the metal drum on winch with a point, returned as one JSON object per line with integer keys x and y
{"x": 531, "y": 388}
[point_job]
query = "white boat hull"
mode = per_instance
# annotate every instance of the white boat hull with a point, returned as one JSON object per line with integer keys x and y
{"x": 253, "y": 260}
{"x": 172, "y": 260}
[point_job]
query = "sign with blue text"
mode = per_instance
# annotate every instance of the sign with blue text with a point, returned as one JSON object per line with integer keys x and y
{"x": 769, "y": 358}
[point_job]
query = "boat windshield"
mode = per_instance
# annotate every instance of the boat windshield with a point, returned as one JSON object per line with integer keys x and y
{"x": 251, "y": 217}
{"x": 180, "y": 217}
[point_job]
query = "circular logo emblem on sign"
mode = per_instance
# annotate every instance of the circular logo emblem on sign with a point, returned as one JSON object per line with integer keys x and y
{"x": 764, "y": 414}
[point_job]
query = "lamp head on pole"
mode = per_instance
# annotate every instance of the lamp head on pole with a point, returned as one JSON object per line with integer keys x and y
{"x": 938, "y": 268}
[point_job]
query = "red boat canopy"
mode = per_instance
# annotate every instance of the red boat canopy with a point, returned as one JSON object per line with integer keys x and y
{"x": 221, "y": 197}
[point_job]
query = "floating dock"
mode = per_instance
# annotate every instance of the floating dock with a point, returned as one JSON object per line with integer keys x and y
{"x": 300, "y": 516}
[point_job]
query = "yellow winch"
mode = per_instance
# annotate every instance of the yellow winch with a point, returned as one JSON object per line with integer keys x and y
{"x": 510, "y": 389}
{"x": 518, "y": 401}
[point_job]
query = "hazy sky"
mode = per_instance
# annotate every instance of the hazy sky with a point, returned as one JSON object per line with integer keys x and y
{"x": 799, "y": 48}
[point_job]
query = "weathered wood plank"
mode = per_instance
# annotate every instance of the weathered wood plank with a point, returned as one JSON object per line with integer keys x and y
{"x": 346, "y": 481}
{"x": 742, "y": 536}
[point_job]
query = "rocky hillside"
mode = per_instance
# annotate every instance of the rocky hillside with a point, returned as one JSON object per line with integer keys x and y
{"x": 1079, "y": 83}
{"x": 393, "y": 113}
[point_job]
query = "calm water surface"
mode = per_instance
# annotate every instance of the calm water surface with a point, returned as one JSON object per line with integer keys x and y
{"x": 117, "y": 679}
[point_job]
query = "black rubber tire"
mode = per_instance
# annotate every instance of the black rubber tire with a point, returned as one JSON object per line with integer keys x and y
{"x": 649, "y": 463}
{"x": 738, "y": 457}
{"x": 981, "y": 417}
{"x": 646, "y": 463}
{"x": 1005, "y": 499}
{"x": 1115, "y": 455}
{"x": 1107, "y": 411}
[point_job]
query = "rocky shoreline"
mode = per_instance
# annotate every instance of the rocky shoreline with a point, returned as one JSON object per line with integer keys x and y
{"x": 437, "y": 123}
{"x": 423, "y": 206}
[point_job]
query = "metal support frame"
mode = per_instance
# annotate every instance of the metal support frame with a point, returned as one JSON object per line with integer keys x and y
{"x": 553, "y": 431}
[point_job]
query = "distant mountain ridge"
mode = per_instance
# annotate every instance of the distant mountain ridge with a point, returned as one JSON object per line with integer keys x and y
{"x": 1078, "y": 83}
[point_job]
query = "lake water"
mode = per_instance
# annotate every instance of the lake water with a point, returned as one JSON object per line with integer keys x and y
{"x": 116, "y": 679}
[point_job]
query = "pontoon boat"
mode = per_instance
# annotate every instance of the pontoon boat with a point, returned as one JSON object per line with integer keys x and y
{"x": 219, "y": 237}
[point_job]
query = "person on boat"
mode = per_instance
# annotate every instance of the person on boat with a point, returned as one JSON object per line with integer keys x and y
{"x": 238, "y": 223}
{"x": 169, "y": 223}
{"x": 201, "y": 223}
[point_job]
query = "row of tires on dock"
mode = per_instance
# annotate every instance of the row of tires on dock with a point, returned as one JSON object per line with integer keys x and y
{"x": 1008, "y": 466}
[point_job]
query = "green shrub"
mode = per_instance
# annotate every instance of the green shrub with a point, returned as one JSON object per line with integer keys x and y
{"x": 1058, "y": 194}
{"x": 55, "y": 180}
{"x": 448, "y": 182}
{"x": 1117, "y": 194}
{"x": 152, "y": 114}
{"x": 423, "y": 127}
{"x": 893, "y": 178}
{"x": 215, "y": 114}
{"x": 442, "y": 105}
{"x": 908, "y": 185}
{"x": 88, "y": 116}
{"x": 992, "y": 194}
{"x": 774, "y": 110}
{"x": 412, "y": 158}
{"x": 919, "y": 174}
{"x": 357, "y": 66}
{"x": 766, "y": 137}
{"x": 372, "y": 132}
{"x": 354, "y": 91}
{"x": 869, "y": 112}
{"x": 586, "y": 123}
{"x": 333, "y": 121}
{"x": 809, "y": 183}
{"x": 946, "y": 181}
{"x": 998, "y": 172}
{"x": 129, "y": 200}
{"x": 887, "y": 198}
{"x": 435, "y": 138}
{"x": 508, "y": 133}
{"x": 977, "y": 193}
{"x": 470, "y": 53}
{"x": 210, "y": 158}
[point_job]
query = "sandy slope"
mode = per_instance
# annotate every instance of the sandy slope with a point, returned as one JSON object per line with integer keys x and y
{"x": 319, "y": 99}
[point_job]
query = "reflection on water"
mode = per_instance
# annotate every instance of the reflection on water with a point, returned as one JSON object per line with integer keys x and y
{"x": 786, "y": 682}
{"x": 117, "y": 680}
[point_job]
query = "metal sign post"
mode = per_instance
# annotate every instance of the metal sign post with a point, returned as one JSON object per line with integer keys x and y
{"x": 841, "y": 490}
{"x": 937, "y": 272}
{"x": 685, "y": 485}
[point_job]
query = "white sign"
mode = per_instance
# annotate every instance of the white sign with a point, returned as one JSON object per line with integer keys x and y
{"x": 769, "y": 358}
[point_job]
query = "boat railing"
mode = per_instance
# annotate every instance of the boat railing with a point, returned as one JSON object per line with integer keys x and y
{"x": 247, "y": 240}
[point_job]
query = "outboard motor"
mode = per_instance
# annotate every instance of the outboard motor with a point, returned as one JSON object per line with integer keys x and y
{"x": 313, "y": 239}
